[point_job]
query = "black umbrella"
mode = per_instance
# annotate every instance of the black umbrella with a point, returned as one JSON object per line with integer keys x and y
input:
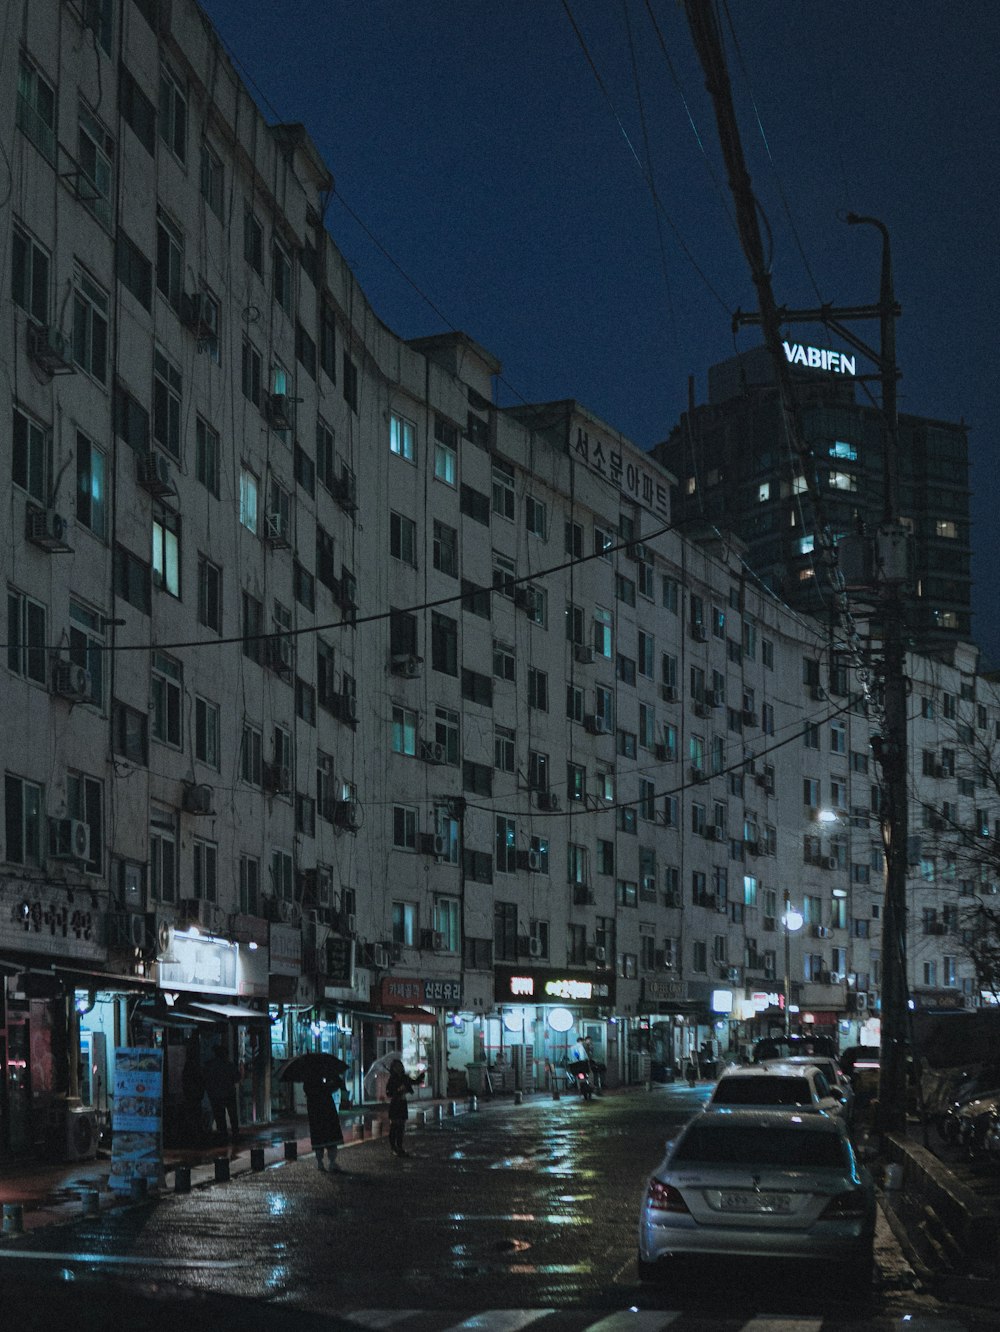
{"x": 585, "y": 1066}
{"x": 312, "y": 1067}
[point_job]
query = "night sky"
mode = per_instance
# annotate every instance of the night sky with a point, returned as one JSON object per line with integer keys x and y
{"x": 474, "y": 141}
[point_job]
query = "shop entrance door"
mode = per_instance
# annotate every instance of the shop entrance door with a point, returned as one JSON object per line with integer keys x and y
{"x": 18, "y": 1086}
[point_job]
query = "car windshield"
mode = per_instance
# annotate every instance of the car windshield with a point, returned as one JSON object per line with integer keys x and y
{"x": 770, "y": 1146}
{"x": 762, "y": 1091}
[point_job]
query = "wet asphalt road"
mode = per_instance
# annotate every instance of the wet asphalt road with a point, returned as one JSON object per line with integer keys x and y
{"x": 530, "y": 1207}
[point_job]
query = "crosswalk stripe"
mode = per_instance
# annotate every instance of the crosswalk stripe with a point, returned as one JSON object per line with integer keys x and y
{"x": 380, "y": 1318}
{"x": 634, "y": 1320}
{"x": 777, "y": 1323}
{"x": 500, "y": 1320}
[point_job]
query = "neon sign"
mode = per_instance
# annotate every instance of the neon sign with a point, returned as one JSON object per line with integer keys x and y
{"x": 819, "y": 358}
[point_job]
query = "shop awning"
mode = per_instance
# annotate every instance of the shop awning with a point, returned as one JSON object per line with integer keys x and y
{"x": 229, "y": 1012}
{"x": 415, "y": 1016}
{"x": 173, "y": 1017}
{"x": 104, "y": 980}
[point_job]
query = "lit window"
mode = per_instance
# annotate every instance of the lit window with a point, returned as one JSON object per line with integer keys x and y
{"x": 402, "y": 437}
{"x": 946, "y": 528}
{"x": 249, "y": 487}
{"x": 842, "y": 450}
{"x": 842, "y": 481}
{"x": 764, "y": 491}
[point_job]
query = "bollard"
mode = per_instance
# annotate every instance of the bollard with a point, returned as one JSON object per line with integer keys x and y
{"x": 221, "y": 1169}
{"x": 138, "y": 1187}
{"x": 452, "y": 1109}
{"x": 291, "y": 1149}
{"x": 90, "y": 1202}
{"x": 256, "y": 1158}
{"x": 518, "y": 1098}
{"x": 649, "y": 1084}
{"x": 182, "y": 1179}
{"x": 555, "y": 1092}
{"x": 13, "y": 1219}
{"x": 473, "y": 1102}
{"x": 438, "y": 1114}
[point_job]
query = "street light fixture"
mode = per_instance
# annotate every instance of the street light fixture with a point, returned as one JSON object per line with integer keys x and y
{"x": 791, "y": 920}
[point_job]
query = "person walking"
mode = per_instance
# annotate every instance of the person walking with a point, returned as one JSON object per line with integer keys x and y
{"x": 325, "y": 1132}
{"x": 221, "y": 1078}
{"x": 399, "y": 1086}
{"x": 192, "y": 1092}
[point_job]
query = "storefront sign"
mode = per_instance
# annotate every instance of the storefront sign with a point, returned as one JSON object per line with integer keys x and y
{"x": 819, "y": 358}
{"x": 286, "y": 950}
{"x": 765, "y": 999}
{"x": 414, "y": 991}
{"x": 137, "y": 1140}
{"x": 340, "y": 961}
{"x": 36, "y": 918}
{"x": 193, "y": 962}
{"x": 547, "y": 986}
{"x": 251, "y": 971}
{"x": 661, "y": 991}
{"x": 636, "y": 480}
{"x": 938, "y": 999}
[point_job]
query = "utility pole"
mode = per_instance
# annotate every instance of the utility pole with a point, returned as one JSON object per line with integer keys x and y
{"x": 891, "y": 546}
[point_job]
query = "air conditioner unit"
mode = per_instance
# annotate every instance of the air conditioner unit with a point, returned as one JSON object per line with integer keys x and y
{"x": 547, "y": 800}
{"x": 668, "y": 693}
{"x": 821, "y": 932}
{"x": 290, "y": 912}
{"x": 534, "y": 947}
{"x": 346, "y": 594}
{"x": 701, "y": 709}
{"x": 81, "y": 1133}
{"x": 351, "y": 923}
{"x": 347, "y": 707}
{"x": 858, "y": 1001}
{"x": 198, "y": 798}
{"x": 279, "y": 411}
{"x": 697, "y": 774}
{"x": 761, "y": 779}
{"x": 718, "y": 833}
{"x": 595, "y": 724}
{"x": 637, "y": 551}
{"x": 277, "y": 778}
{"x": 600, "y": 953}
{"x": 72, "y": 681}
{"x": 524, "y": 599}
{"x": 46, "y": 529}
{"x": 432, "y": 751}
{"x": 699, "y": 633}
{"x": 162, "y": 932}
{"x": 817, "y": 694}
{"x": 438, "y": 941}
{"x": 50, "y": 349}
{"x": 830, "y": 862}
{"x": 201, "y": 314}
{"x": 346, "y": 815}
{"x": 751, "y": 845}
{"x": 824, "y": 978}
{"x": 406, "y": 664}
{"x": 380, "y": 956}
{"x": 749, "y": 717}
{"x": 127, "y": 929}
{"x": 153, "y": 473}
{"x": 583, "y": 654}
{"x": 534, "y": 861}
{"x": 716, "y": 698}
{"x": 276, "y": 531}
{"x": 69, "y": 839}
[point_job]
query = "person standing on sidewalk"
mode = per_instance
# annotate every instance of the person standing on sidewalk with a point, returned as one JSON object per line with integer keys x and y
{"x": 325, "y": 1132}
{"x": 399, "y": 1086}
{"x": 221, "y": 1078}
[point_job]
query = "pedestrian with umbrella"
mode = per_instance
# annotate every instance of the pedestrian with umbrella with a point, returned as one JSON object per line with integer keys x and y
{"x": 321, "y": 1076}
{"x": 399, "y": 1086}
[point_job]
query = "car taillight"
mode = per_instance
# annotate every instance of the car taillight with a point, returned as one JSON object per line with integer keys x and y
{"x": 845, "y": 1205}
{"x": 664, "y": 1197}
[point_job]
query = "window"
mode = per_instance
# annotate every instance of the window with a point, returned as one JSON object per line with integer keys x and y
{"x": 251, "y": 373}
{"x": 303, "y": 586}
{"x": 538, "y": 689}
{"x": 305, "y": 814}
{"x": 166, "y": 562}
{"x": 604, "y": 706}
{"x": 95, "y": 159}
{"x": 166, "y": 700}
{"x": 504, "y": 662}
{"x": 132, "y": 579}
{"x": 249, "y": 490}
{"x": 172, "y": 121}
{"x": 30, "y": 461}
{"x": 535, "y": 517}
{"x": 645, "y": 654}
{"x": 36, "y": 108}
{"x": 603, "y": 632}
{"x": 129, "y": 733}
{"x": 402, "y": 438}
{"x": 445, "y": 549}
{"x": 131, "y": 420}
{"x": 573, "y": 540}
{"x": 576, "y": 782}
{"x": 404, "y": 924}
{"x": 206, "y": 732}
{"x": 281, "y": 276}
{"x": 328, "y": 341}
{"x": 169, "y": 260}
{"x": 503, "y": 491}
{"x": 627, "y": 744}
{"x": 253, "y": 242}
{"x": 646, "y": 586}
{"x": 604, "y": 542}
{"x": 404, "y": 827}
{"x": 445, "y": 451}
{"x": 477, "y": 688}
{"x": 26, "y": 637}
{"x": 281, "y": 875}
{"x": 404, "y": 731}
{"x": 576, "y": 864}
{"x": 444, "y": 644}
{"x": 625, "y": 589}
{"x": 90, "y": 327}
{"x": 538, "y": 770}
{"x": 249, "y": 903}
{"x": 505, "y": 931}
{"x": 29, "y": 285}
{"x": 86, "y": 647}
{"x": 626, "y": 670}
{"x": 647, "y": 726}
{"x": 166, "y": 404}
{"x": 305, "y": 701}
{"x": 211, "y": 179}
{"x": 504, "y": 749}
{"x": 162, "y": 856}
{"x": 23, "y": 815}
{"x": 574, "y": 703}
{"x": 207, "y": 456}
{"x": 403, "y": 539}
{"x": 251, "y": 755}
{"x": 137, "y": 110}
{"x": 350, "y": 376}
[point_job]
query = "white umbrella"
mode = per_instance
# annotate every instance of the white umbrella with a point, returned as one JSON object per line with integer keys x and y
{"x": 379, "y": 1069}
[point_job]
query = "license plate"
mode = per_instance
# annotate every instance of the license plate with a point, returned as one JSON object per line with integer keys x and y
{"x": 769, "y": 1203}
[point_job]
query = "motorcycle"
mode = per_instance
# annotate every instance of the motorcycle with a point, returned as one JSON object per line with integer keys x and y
{"x": 584, "y": 1086}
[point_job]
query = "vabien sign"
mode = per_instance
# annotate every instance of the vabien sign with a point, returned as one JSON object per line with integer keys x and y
{"x": 819, "y": 358}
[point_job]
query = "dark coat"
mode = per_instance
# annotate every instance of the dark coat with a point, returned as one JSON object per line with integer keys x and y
{"x": 399, "y": 1086}
{"x": 324, "y": 1122}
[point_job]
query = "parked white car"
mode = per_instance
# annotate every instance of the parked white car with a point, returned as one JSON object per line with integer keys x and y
{"x": 777, "y": 1087}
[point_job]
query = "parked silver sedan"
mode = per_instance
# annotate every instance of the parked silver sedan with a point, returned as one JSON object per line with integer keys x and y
{"x": 760, "y": 1184}
{"x": 785, "y": 1086}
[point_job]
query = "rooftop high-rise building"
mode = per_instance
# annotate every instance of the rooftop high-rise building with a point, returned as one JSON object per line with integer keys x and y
{"x": 737, "y": 470}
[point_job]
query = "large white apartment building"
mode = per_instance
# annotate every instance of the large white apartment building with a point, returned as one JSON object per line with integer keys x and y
{"x": 421, "y": 712}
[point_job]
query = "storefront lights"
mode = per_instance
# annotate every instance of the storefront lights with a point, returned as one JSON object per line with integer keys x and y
{"x": 560, "y": 1019}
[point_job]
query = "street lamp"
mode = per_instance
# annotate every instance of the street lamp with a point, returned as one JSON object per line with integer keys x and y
{"x": 791, "y": 920}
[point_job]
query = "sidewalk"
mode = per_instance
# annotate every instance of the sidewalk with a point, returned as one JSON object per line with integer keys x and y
{"x": 54, "y": 1194}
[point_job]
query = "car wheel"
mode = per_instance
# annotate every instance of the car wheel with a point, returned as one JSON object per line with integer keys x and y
{"x": 857, "y": 1276}
{"x": 648, "y": 1271}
